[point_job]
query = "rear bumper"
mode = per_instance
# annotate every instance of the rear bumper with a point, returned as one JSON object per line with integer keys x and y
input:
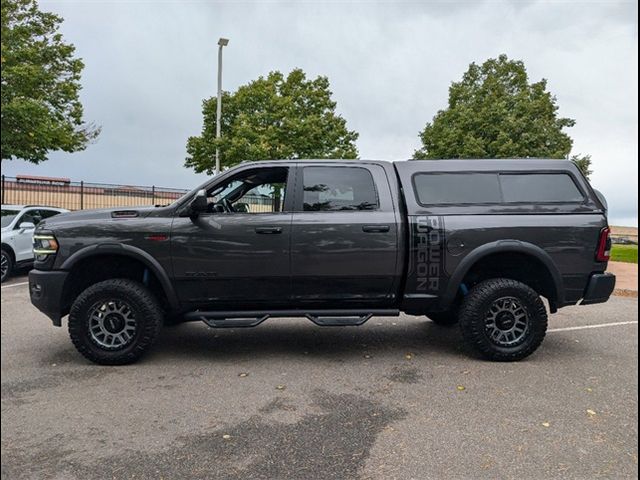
{"x": 45, "y": 290}
{"x": 599, "y": 288}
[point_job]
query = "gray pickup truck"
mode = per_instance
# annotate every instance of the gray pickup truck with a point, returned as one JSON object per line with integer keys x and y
{"x": 476, "y": 243}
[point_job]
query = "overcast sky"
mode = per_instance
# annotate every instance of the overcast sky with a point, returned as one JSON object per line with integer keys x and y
{"x": 149, "y": 64}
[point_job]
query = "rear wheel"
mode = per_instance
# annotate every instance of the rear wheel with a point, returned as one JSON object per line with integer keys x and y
{"x": 114, "y": 322}
{"x": 503, "y": 319}
{"x": 6, "y": 264}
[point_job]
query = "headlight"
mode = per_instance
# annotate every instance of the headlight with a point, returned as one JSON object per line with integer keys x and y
{"x": 44, "y": 244}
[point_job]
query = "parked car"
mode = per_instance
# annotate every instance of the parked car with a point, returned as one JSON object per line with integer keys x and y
{"x": 474, "y": 242}
{"x": 18, "y": 224}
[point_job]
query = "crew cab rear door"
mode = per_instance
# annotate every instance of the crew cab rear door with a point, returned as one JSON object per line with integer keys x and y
{"x": 344, "y": 243}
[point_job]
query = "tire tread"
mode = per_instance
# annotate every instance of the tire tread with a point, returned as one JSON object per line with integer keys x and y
{"x": 471, "y": 318}
{"x": 144, "y": 300}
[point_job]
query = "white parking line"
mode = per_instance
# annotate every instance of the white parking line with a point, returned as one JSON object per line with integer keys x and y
{"x": 15, "y": 285}
{"x": 599, "y": 325}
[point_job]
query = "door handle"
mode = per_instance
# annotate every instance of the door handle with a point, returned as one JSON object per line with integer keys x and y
{"x": 375, "y": 228}
{"x": 268, "y": 230}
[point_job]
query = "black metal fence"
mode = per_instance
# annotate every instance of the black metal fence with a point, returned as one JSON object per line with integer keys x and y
{"x": 62, "y": 193}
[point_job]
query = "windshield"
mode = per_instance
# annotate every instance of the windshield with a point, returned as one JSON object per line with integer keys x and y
{"x": 8, "y": 216}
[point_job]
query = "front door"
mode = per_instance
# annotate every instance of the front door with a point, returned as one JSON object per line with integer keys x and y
{"x": 24, "y": 239}
{"x": 344, "y": 245}
{"x": 236, "y": 256}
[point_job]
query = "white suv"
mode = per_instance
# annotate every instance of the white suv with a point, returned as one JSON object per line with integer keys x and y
{"x": 18, "y": 223}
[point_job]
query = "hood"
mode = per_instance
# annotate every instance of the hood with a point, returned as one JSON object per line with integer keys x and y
{"x": 81, "y": 216}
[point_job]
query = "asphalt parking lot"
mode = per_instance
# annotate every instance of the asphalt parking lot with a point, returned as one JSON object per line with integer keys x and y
{"x": 395, "y": 398}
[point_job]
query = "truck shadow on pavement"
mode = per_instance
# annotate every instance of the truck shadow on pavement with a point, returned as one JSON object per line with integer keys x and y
{"x": 297, "y": 338}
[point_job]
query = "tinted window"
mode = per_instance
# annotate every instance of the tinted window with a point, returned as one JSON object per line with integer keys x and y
{"x": 48, "y": 213}
{"x": 452, "y": 188}
{"x": 338, "y": 188}
{"x": 539, "y": 188}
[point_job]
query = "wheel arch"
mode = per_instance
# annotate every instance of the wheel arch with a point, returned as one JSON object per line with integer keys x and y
{"x": 488, "y": 250}
{"x": 128, "y": 251}
{"x": 9, "y": 248}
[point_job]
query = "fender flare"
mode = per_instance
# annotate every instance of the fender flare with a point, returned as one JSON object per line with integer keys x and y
{"x": 129, "y": 251}
{"x": 503, "y": 246}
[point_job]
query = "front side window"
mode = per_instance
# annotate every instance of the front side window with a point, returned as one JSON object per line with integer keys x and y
{"x": 32, "y": 216}
{"x": 338, "y": 189}
{"x": 260, "y": 190}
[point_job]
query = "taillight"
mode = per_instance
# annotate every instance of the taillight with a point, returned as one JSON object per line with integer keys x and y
{"x": 604, "y": 246}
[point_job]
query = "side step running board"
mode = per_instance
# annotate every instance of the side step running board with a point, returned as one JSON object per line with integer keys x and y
{"x": 234, "y": 322}
{"x": 328, "y": 321}
{"x": 323, "y": 318}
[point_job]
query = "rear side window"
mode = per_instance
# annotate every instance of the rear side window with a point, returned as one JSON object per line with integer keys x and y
{"x": 338, "y": 189}
{"x": 456, "y": 188}
{"x": 44, "y": 214}
{"x": 495, "y": 188}
{"x": 539, "y": 188}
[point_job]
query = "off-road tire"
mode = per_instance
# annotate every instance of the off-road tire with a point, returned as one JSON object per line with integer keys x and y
{"x": 475, "y": 308}
{"x": 146, "y": 310}
{"x": 447, "y": 318}
{"x": 8, "y": 258}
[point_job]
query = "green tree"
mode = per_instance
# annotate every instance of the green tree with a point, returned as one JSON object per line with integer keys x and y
{"x": 583, "y": 162}
{"x": 41, "y": 111}
{"x": 495, "y": 112}
{"x": 273, "y": 118}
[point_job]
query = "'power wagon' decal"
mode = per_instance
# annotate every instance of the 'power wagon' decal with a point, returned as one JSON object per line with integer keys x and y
{"x": 427, "y": 261}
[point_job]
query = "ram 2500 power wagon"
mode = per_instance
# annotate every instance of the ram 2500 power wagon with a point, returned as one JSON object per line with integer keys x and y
{"x": 473, "y": 242}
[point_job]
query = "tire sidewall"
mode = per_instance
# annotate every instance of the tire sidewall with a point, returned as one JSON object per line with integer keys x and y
{"x": 476, "y": 305}
{"x": 7, "y": 255}
{"x": 145, "y": 309}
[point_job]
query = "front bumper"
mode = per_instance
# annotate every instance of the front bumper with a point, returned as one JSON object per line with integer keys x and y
{"x": 46, "y": 290}
{"x": 599, "y": 288}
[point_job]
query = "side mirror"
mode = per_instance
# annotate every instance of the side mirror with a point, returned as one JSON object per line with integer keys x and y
{"x": 199, "y": 203}
{"x": 26, "y": 226}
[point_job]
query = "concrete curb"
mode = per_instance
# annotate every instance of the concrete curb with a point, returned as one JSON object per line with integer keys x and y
{"x": 620, "y": 292}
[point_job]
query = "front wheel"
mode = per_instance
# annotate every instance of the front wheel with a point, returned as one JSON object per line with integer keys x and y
{"x": 6, "y": 264}
{"x": 114, "y": 322}
{"x": 503, "y": 320}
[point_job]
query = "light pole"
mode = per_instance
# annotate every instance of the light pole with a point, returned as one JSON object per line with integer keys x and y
{"x": 222, "y": 42}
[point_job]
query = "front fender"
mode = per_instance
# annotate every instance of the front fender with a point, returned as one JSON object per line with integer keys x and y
{"x": 130, "y": 251}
